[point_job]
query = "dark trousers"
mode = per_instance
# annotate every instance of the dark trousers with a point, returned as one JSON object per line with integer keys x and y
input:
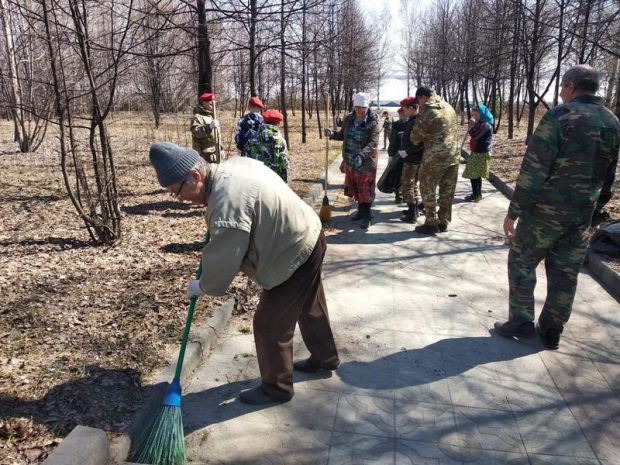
{"x": 299, "y": 299}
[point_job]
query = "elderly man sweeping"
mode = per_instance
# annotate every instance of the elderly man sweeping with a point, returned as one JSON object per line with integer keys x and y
{"x": 258, "y": 225}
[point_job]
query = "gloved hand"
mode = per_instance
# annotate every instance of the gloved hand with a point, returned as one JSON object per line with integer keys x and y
{"x": 402, "y": 153}
{"x": 599, "y": 217}
{"x": 327, "y": 132}
{"x": 214, "y": 124}
{"x": 194, "y": 289}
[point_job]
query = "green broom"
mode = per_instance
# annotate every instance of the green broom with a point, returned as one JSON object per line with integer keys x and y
{"x": 163, "y": 440}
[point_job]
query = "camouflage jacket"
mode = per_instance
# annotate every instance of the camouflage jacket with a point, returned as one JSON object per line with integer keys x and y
{"x": 435, "y": 128}
{"x": 203, "y": 137}
{"x": 570, "y": 163}
{"x": 387, "y": 124}
{"x": 270, "y": 148}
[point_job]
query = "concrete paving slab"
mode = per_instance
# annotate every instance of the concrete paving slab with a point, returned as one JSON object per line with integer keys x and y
{"x": 423, "y": 379}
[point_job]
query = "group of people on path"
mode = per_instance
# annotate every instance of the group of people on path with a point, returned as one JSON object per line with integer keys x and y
{"x": 257, "y": 134}
{"x": 258, "y": 225}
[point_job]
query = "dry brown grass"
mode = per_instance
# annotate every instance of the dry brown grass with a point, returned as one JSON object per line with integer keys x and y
{"x": 83, "y": 326}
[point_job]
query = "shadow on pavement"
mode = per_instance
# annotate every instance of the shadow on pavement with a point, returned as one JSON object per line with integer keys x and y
{"x": 440, "y": 360}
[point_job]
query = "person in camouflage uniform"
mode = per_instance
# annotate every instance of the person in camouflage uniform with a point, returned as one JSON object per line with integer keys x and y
{"x": 271, "y": 147}
{"x": 567, "y": 172}
{"x": 435, "y": 128}
{"x": 412, "y": 157}
{"x": 387, "y": 128}
{"x": 203, "y": 127}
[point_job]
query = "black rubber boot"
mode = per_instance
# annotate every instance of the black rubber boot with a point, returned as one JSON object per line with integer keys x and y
{"x": 410, "y": 215}
{"x": 367, "y": 218}
{"x": 427, "y": 229}
{"x": 359, "y": 214}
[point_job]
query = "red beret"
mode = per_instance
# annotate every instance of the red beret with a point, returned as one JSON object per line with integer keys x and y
{"x": 408, "y": 101}
{"x": 273, "y": 116}
{"x": 256, "y": 102}
{"x": 206, "y": 97}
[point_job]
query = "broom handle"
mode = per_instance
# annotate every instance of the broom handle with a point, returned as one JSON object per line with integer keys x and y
{"x": 188, "y": 319}
{"x": 218, "y": 154}
{"x": 326, "y": 143}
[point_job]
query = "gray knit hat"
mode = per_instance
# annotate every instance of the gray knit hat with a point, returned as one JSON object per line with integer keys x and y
{"x": 171, "y": 162}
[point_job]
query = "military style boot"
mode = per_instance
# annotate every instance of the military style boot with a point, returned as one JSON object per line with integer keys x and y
{"x": 411, "y": 214}
{"x": 515, "y": 329}
{"x": 427, "y": 229}
{"x": 550, "y": 337}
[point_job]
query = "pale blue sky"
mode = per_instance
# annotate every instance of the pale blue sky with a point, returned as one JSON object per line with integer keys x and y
{"x": 393, "y": 88}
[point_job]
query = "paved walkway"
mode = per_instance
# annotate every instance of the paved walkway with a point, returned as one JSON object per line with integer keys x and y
{"x": 422, "y": 379}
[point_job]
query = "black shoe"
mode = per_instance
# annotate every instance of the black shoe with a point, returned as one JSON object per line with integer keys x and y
{"x": 397, "y": 199}
{"x": 427, "y": 229}
{"x": 258, "y": 396}
{"x": 470, "y": 198}
{"x": 409, "y": 215}
{"x": 308, "y": 366}
{"x": 550, "y": 337}
{"x": 515, "y": 328}
{"x": 442, "y": 227}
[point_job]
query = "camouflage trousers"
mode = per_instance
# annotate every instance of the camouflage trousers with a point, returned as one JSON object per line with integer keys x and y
{"x": 563, "y": 249}
{"x": 437, "y": 171}
{"x": 409, "y": 182}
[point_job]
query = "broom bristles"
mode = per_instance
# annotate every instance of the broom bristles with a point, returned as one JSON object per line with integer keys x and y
{"x": 163, "y": 441}
{"x": 325, "y": 214}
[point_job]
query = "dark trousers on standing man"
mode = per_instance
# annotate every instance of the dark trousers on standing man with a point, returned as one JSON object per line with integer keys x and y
{"x": 299, "y": 299}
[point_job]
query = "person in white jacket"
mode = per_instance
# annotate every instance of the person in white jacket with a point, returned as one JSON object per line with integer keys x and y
{"x": 258, "y": 225}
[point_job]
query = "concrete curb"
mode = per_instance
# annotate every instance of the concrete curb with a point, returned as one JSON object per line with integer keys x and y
{"x": 204, "y": 339}
{"x": 83, "y": 446}
{"x": 89, "y": 446}
{"x": 601, "y": 271}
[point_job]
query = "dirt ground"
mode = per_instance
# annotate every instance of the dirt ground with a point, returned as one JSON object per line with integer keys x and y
{"x": 83, "y": 327}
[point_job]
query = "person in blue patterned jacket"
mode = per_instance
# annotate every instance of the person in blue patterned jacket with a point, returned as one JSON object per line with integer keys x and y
{"x": 248, "y": 126}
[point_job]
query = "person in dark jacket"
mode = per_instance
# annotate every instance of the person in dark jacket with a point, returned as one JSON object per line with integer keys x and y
{"x": 360, "y": 133}
{"x": 481, "y": 133}
{"x": 387, "y": 128}
{"x": 412, "y": 156}
{"x": 396, "y": 144}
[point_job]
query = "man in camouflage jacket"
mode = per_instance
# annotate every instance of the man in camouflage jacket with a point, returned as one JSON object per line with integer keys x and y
{"x": 567, "y": 173}
{"x": 435, "y": 128}
{"x": 203, "y": 128}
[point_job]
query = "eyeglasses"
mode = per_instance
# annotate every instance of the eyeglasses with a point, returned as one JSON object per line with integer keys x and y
{"x": 178, "y": 193}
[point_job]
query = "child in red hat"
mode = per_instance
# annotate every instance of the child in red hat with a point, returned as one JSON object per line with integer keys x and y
{"x": 271, "y": 147}
{"x": 248, "y": 126}
{"x": 203, "y": 127}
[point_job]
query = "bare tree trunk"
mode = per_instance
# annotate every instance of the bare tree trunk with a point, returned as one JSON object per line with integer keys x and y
{"x": 205, "y": 69}
{"x": 252, "y": 45}
{"x": 283, "y": 73}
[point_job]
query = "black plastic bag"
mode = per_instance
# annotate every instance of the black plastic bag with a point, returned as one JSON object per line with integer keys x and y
{"x": 389, "y": 182}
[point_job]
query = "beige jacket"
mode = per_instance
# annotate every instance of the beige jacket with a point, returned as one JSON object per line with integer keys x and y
{"x": 258, "y": 225}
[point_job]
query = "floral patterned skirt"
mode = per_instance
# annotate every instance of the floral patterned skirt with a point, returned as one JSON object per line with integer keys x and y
{"x": 360, "y": 184}
{"x": 477, "y": 165}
